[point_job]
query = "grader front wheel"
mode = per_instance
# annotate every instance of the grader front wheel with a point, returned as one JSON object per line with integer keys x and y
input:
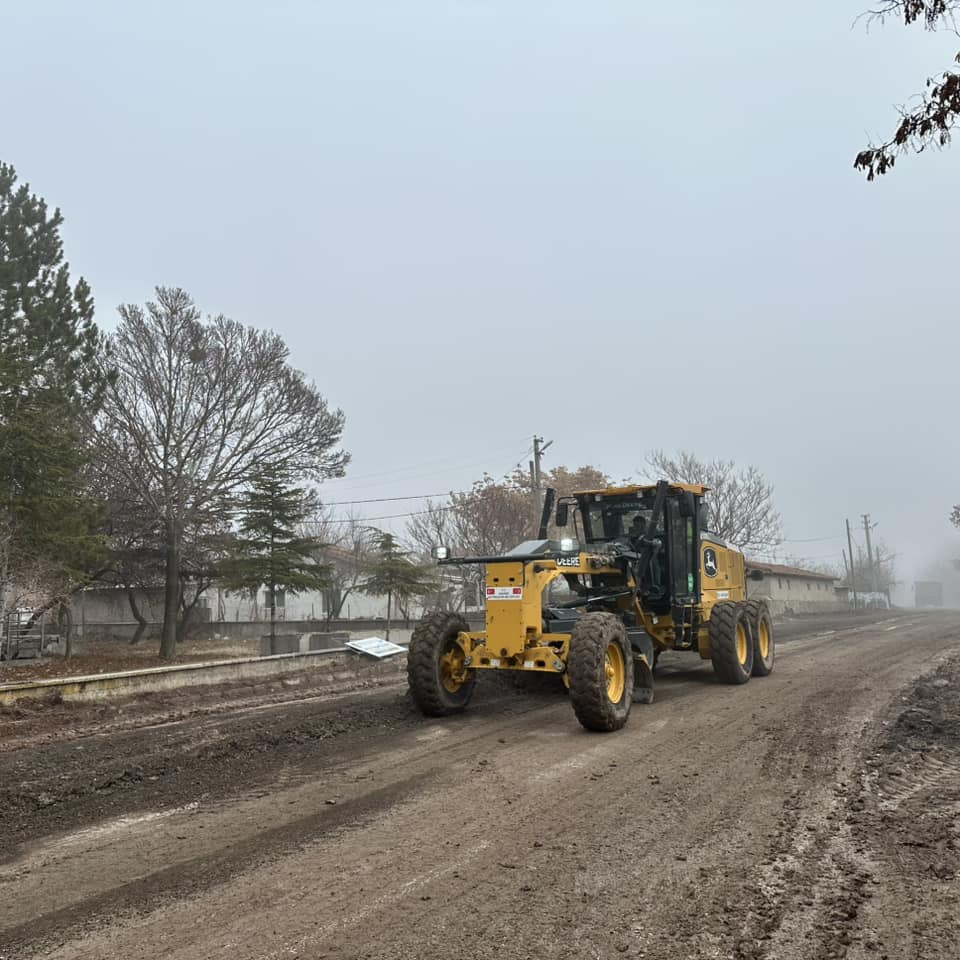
{"x": 440, "y": 683}
{"x": 731, "y": 643}
{"x": 600, "y": 670}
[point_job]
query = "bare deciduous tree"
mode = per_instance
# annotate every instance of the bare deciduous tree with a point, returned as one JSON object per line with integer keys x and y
{"x": 431, "y": 527}
{"x": 195, "y": 410}
{"x": 349, "y": 544}
{"x": 740, "y": 498}
{"x": 876, "y": 574}
{"x": 456, "y": 588}
{"x": 493, "y": 516}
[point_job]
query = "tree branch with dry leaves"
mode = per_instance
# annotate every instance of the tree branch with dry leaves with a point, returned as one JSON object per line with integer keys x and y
{"x": 931, "y": 121}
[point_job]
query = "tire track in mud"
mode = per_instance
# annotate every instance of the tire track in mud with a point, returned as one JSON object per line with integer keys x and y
{"x": 816, "y": 895}
{"x": 210, "y": 867}
{"x": 721, "y": 824}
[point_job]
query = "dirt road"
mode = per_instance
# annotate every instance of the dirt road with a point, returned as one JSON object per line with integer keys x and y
{"x": 811, "y": 814}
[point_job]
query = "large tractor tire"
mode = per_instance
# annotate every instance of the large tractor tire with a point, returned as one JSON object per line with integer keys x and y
{"x": 761, "y": 624}
{"x": 600, "y": 668}
{"x": 731, "y": 643}
{"x": 439, "y": 682}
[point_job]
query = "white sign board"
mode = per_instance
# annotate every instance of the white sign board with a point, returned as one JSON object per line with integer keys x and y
{"x": 375, "y": 647}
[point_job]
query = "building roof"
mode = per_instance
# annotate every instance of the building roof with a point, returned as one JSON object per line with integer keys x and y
{"x": 334, "y": 553}
{"x": 779, "y": 570}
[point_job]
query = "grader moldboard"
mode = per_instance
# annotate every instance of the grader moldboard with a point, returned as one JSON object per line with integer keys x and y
{"x": 642, "y": 575}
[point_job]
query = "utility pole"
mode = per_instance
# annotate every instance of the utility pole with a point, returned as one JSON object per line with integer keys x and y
{"x": 867, "y": 526}
{"x": 536, "y": 486}
{"x": 853, "y": 572}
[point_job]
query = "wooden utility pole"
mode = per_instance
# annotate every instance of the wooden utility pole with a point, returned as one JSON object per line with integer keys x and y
{"x": 853, "y": 572}
{"x": 867, "y": 526}
{"x": 536, "y": 485}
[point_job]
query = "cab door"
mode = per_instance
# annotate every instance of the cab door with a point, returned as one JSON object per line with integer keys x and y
{"x": 682, "y": 555}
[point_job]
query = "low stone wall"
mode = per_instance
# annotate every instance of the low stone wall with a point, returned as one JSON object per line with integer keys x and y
{"x": 302, "y": 642}
{"x": 342, "y": 667}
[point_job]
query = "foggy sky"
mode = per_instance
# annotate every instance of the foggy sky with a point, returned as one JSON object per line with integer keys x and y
{"x": 621, "y": 225}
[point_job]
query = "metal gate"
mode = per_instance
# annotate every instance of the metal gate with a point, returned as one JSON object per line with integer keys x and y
{"x": 19, "y": 638}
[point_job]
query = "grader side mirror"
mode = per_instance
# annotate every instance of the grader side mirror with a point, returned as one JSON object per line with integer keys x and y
{"x": 688, "y": 504}
{"x": 563, "y": 514}
{"x": 756, "y": 574}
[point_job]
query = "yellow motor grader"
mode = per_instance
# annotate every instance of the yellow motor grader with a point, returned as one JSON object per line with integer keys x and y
{"x": 639, "y": 575}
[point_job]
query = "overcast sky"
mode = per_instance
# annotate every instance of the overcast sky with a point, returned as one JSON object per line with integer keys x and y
{"x": 621, "y": 225}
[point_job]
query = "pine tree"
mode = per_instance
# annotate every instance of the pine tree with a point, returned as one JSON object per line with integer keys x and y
{"x": 268, "y": 551}
{"x": 51, "y": 383}
{"x": 392, "y": 574}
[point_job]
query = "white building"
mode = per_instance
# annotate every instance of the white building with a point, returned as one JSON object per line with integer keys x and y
{"x": 791, "y": 589}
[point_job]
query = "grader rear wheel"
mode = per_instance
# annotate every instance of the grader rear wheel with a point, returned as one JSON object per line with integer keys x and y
{"x": 731, "y": 643}
{"x": 439, "y": 682}
{"x": 600, "y": 670}
{"x": 761, "y": 624}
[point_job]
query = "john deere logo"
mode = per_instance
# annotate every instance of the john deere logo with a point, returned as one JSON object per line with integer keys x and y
{"x": 710, "y": 562}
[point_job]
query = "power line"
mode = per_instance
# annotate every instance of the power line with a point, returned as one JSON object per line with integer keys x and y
{"x": 454, "y": 464}
{"x": 393, "y": 516}
{"x": 810, "y": 539}
{"x": 417, "y": 496}
{"x": 390, "y": 516}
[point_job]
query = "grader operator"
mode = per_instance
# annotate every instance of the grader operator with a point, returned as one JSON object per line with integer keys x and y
{"x": 639, "y": 575}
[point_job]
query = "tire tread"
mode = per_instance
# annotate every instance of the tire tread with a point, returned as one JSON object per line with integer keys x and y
{"x": 723, "y": 643}
{"x": 423, "y": 655}
{"x": 588, "y": 690}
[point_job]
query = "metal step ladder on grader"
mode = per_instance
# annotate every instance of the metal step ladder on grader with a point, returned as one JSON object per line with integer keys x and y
{"x": 640, "y": 575}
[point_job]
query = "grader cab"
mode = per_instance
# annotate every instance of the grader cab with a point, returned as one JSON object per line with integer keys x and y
{"x": 633, "y": 573}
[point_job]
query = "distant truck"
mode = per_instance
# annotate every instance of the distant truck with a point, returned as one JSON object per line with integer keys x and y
{"x": 928, "y": 593}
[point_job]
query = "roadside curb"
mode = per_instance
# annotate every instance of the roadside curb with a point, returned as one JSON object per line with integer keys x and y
{"x": 341, "y": 665}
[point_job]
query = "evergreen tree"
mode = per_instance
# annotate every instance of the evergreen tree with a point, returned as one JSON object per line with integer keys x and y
{"x": 51, "y": 383}
{"x": 268, "y": 551}
{"x": 392, "y": 574}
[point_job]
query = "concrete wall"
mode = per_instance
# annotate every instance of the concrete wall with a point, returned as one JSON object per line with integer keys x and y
{"x": 305, "y": 606}
{"x": 111, "y": 605}
{"x": 794, "y": 594}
